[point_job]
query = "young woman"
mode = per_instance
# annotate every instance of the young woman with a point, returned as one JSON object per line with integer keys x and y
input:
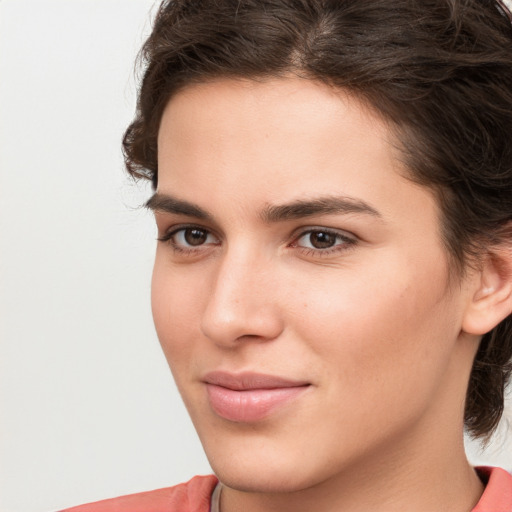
{"x": 333, "y": 278}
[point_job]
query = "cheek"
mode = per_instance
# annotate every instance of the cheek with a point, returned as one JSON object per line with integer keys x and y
{"x": 382, "y": 334}
{"x": 176, "y": 306}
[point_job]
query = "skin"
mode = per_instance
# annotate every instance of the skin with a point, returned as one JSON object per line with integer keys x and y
{"x": 374, "y": 324}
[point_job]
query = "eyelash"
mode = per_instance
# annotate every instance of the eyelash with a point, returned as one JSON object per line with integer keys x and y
{"x": 347, "y": 242}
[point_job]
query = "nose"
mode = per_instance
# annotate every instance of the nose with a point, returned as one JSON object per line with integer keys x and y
{"x": 244, "y": 302}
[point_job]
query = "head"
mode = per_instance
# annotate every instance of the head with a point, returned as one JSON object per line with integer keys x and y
{"x": 433, "y": 79}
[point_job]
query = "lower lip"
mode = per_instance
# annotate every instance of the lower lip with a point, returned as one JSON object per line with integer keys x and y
{"x": 249, "y": 405}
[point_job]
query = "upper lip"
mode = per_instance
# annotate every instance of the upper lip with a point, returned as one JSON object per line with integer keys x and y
{"x": 249, "y": 380}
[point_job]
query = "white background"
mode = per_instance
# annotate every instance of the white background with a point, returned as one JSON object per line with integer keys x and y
{"x": 88, "y": 408}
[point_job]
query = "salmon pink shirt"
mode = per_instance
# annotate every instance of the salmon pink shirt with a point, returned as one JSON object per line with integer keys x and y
{"x": 196, "y": 494}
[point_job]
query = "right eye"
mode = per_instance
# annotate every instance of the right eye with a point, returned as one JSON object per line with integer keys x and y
{"x": 189, "y": 238}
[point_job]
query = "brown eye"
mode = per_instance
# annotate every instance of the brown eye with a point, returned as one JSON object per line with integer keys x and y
{"x": 190, "y": 238}
{"x": 322, "y": 239}
{"x": 194, "y": 236}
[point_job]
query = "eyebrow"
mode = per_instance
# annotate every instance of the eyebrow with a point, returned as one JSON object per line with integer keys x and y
{"x": 169, "y": 204}
{"x": 329, "y": 205}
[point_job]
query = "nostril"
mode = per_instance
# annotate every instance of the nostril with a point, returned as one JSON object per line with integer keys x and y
{"x": 251, "y": 337}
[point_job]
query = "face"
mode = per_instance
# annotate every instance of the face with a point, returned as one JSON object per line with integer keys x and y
{"x": 301, "y": 292}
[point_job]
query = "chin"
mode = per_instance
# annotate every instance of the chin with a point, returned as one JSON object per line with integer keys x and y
{"x": 264, "y": 468}
{"x": 264, "y": 479}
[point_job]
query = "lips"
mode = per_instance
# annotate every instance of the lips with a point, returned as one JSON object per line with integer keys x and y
{"x": 250, "y": 397}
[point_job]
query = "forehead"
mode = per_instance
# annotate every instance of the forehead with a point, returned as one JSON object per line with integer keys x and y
{"x": 278, "y": 102}
{"x": 235, "y": 146}
{"x": 287, "y": 128}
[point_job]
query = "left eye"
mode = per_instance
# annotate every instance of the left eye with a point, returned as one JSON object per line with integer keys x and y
{"x": 322, "y": 239}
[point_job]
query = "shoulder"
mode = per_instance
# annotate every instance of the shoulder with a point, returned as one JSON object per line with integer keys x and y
{"x": 192, "y": 496}
{"x": 497, "y": 496}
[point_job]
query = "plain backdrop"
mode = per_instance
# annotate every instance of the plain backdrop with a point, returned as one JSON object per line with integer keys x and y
{"x": 88, "y": 409}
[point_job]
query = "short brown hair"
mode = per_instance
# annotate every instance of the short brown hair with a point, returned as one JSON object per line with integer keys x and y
{"x": 439, "y": 70}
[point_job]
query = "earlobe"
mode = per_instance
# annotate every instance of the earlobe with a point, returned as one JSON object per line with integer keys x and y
{"x": 491, "y": 297}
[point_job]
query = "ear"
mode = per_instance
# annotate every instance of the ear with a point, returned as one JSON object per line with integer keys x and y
{"x": 491, "y": 294}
